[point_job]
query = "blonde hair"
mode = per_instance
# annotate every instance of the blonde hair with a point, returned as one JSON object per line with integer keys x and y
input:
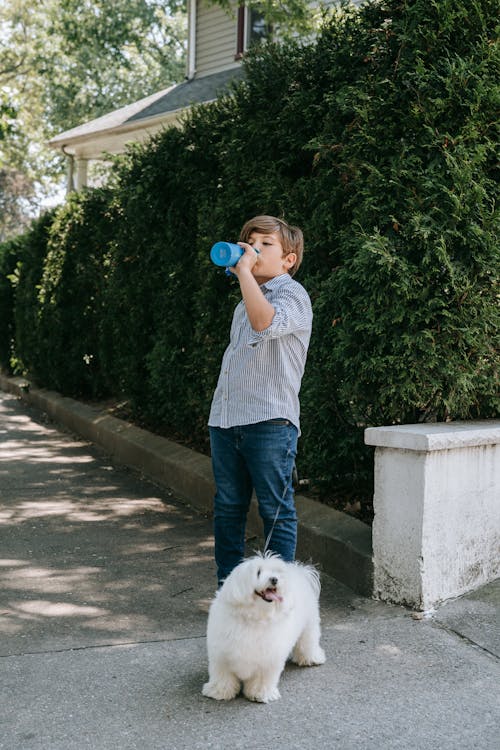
{"x": 291, "y": 237}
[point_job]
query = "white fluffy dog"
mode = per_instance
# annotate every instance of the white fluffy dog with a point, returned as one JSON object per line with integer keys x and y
{"x": 266, "y": 610}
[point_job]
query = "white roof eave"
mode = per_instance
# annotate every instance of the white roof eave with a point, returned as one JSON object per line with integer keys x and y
{"x": 71, "y": 145}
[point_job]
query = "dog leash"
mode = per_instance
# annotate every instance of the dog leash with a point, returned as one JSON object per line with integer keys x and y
{"x": 277, "y": 514}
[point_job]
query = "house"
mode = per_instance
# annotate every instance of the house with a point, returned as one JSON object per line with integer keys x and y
{"x": 217, "y": 40}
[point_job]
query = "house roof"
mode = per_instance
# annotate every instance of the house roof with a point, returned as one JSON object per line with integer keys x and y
{"x": 190, "y": 92}
{"x": 153, "y": 107}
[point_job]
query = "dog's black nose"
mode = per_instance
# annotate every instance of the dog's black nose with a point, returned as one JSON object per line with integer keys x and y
{"x": 273, "y": 581}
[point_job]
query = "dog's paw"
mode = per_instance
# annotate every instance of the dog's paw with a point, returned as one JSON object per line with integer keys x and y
{"x": 221, "y": 691}
{"x": 262, "y": 696}
{"x": 312, "y": 659}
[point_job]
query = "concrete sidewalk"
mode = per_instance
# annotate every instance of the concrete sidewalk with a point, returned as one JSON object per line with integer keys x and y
{"x": 105, "y": 580}
{"x": 340, "y": 544}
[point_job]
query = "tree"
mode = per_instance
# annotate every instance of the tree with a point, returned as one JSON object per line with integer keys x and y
{"x": 289, "y": 17}
{"x": 17, "y": 202}
{"x": 65, "y": 61}
{"x": 109, "y": 54}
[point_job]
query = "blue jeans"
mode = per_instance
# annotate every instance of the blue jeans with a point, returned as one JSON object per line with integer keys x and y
{"x": 258, "y": 456}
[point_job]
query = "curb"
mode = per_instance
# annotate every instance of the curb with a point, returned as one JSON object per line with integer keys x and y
{"x": 339, "y": 544}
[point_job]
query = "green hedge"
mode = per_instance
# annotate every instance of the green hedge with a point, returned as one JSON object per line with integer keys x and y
{"x": 10, "y": 253}
{"x": 27, "y": 345}
{"x": 70, "y": 296}
{"x": 379, "y": 140}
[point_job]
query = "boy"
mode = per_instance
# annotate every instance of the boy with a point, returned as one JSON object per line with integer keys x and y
{"x": 254, "y": 419}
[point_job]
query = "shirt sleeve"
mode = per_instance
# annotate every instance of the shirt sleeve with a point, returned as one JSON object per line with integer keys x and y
{"x": 293, "y": 314}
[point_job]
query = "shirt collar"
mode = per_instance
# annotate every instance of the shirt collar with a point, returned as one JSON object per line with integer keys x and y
{"x": 276, "y": 281}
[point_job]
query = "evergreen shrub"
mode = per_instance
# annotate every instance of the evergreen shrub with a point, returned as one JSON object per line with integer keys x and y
{"x": 28, "y": 347}
{"x": 152, "y": 282}
{"x": 407, "y": 321}
{"x": 10, "y": 252}
{"x": 70, "y": 295}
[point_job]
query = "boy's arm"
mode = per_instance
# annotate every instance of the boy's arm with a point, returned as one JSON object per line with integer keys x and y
{"x": 260, "y": 312}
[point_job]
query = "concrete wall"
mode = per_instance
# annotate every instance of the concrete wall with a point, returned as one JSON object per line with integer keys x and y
{"x": 436, "y": 533}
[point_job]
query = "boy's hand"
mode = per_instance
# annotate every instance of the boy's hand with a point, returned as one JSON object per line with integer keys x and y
{"x": 247, "y": 260}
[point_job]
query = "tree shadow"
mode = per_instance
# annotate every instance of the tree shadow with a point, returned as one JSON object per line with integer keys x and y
{"x": 92, "y": 554}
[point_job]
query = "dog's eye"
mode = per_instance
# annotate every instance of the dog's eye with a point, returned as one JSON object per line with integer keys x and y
{"x": 259, "y": 572}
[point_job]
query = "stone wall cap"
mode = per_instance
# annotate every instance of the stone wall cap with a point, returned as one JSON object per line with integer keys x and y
{"x": 435, "y": 436}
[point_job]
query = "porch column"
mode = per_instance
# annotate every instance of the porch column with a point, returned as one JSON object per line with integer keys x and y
{"x": 81, "y": 173}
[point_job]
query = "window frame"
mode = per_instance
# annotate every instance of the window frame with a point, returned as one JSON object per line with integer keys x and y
{"x": 243, "y": 31}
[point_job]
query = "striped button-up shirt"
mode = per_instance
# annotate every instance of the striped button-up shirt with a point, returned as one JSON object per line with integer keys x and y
{"x": 261, "y": 371}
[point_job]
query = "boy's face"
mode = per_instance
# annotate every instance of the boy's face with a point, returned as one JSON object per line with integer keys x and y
{"x": 271, "y": 260}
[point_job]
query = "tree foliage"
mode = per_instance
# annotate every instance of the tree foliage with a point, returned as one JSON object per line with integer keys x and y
{"x": 17, "y": 201}
{"x": 64, "y": 62}
{"x": 110, "y": 54}
{"x": 286, "y": 17}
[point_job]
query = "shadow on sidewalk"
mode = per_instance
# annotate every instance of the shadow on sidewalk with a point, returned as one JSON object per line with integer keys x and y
{"x": 91, "y": 554}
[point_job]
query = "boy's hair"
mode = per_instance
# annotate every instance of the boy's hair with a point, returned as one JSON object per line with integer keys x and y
{"x": 291, "y": 237}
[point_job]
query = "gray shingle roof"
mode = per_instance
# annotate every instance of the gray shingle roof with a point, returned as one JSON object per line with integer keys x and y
{"x": 191, "y": 92}
{"x": 194, "y": 91}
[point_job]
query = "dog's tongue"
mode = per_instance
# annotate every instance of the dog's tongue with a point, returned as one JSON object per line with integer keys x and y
{"x": 271, "y": 595}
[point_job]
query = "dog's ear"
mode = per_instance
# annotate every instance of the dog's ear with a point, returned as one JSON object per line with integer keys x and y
{"x": 239, "y": 585}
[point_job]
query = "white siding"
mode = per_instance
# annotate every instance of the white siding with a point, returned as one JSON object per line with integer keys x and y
{"x": 216, "y": 36}
{"x": 215, "y": 39}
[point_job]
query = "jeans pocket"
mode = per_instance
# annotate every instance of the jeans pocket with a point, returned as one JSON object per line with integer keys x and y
{"x": 280, "y": 422}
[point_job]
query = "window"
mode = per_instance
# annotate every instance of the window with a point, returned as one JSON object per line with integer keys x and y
{"x": 252, "y": 29}
{"x": 257, "y": 27}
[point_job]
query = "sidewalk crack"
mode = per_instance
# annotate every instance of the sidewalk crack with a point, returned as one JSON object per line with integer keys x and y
{"x": 465, "y": 639}
{"x": 101, "y": 646}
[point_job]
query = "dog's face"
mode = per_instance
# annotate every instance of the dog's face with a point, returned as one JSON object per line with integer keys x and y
{"x": 258, "y": 580}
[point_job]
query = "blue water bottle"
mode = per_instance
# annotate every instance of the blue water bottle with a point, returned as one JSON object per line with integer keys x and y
{"x": 226, "y": 254}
